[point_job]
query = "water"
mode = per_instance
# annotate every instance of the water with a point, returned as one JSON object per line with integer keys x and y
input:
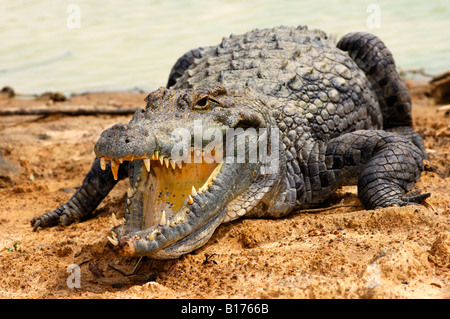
{"x": 81, "y": 45}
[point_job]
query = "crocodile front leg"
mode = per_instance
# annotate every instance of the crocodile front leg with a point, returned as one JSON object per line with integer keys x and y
{"x": 96, "y": 185}
{"x": 384, "y": 165}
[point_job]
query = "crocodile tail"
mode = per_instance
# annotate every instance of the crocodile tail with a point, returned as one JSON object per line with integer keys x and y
{"x": 374, "y": 58}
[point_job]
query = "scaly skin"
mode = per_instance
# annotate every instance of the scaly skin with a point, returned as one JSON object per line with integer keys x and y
{"x": 333, "y": 116}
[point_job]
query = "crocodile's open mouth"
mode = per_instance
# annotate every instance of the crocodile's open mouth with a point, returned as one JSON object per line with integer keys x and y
{"x": 168, "y": 201}
{"x": 167, "y": 186}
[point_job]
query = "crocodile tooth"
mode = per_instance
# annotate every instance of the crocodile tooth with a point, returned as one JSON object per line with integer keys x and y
{"x": 193, "y": 192}
{"x": 190, "y": 200}
{"x": 210, "y": 180}
{"x": 161, "y": 159}
{"x": 120, "y": 160}
{"x": 113, "y": 241}
{"x": 130, "y": 192}
{"x": 166, "y": 161}
{"x": 147, "y": 164}
{"x": 103, "y": 163}
{"x": 180, "y": 165}
{"x": 115, "y": 222}
{"x": 162, "y": 221}
{"x": 156, "y": 155}
{"x": 115, "y": 169}
{"x": 172, "y": 163}
{"x": 203, "y": 188}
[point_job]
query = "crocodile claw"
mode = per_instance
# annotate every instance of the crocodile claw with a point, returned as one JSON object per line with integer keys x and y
{"x": 414, "y": 197}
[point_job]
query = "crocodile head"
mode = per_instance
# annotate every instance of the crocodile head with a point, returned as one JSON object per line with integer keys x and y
{"x": 191, "y": 154}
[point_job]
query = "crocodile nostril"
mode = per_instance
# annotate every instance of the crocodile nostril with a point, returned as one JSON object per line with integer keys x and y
{"x": 127, "y": 141}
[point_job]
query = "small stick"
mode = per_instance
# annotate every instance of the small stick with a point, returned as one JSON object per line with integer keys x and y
{"x": 123, "y": 272}
{"x": 72, "y": 111}
{"x": 316, "y": 210}
{"x": 136, "y": 266}
{"x": 119, "y": 270}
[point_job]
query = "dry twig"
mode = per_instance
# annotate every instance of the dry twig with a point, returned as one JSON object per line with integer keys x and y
{"x": 71, "y": 111}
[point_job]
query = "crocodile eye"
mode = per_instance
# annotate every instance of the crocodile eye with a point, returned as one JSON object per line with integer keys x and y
{"x": 202, "y": 103}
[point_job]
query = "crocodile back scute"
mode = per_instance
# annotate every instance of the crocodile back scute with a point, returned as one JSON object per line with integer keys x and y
{"x": 299, "y": 72}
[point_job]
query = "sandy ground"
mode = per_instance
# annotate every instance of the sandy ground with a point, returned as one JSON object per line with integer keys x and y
{"x": 344, "y": 252}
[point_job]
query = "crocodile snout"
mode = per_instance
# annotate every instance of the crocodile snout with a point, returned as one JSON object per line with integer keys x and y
{"x": 124, "y": 142}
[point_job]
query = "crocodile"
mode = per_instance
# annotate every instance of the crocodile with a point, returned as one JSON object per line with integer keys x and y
{"x": 322, "y": 114}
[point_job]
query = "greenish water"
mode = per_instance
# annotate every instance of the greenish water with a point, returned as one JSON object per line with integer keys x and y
{"x": 81, "y": 45}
